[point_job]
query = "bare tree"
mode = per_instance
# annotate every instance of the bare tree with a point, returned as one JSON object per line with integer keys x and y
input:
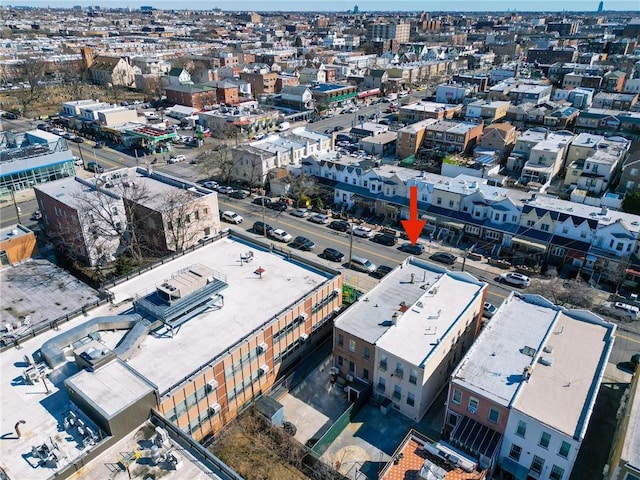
{"x": 217, "y": 162}
{"x": 303, "y": 188}
{"x": 185, "y": 217}
{"x": 32, "y": 72}
{"x": 75, "y": 78}
{"x": 152, "y": 87}
{"x": 575, "y": 293}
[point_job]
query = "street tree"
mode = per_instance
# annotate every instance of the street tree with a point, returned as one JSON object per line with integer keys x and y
{"x": 152, "y": 87}
{"x": 631, "y": 203}
{"x": 76, "y": 78}
{"x": 302, "y": 188}
{"x": 217, "y": 162}
{"x": 32, "y": 72}
{"x": 574, "y": 293}
{"x": 184, "y": 217}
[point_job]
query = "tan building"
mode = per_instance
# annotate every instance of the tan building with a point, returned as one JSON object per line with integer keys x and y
{"x": 17, "y": 243}
{"x": 499, "y": 136}
{"x": 410, "y": 138}
{"x": 112, "y": 71}
{"x": 261, "y": 83}
{"x": 449, "y": 136}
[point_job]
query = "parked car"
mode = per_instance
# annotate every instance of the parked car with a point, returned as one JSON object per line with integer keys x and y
{"x": 262, "y": 228}
{"x": 277, "y": 206}
{"x": 385, "y": 239}
{"x": 319, "y": 218}
{"x": 239, "y": 194}
{"x": 211, "y": 185}
{"x": 77, "y": 161}
{"x": 177, "y": 159}
{"x": 443, "y": 257}
{"x": 514, "y": 279}
{"x": 381, "y": 271}
{"x": 225, "y": 189}
{"x": 261, "y": 200}
{"x": 232, "y": 217}
{"x": 362, "y": 264}
{"x": 99, "y": 144}
{"x": 77, "y": 139}
{"x": 339, "y": 225}
{"x": 37, "y": 215}
{"x": 302, "y": 243}
{"x": 635, "y": 361}
{"x": 489, "y": 310}
{"x": 280, "y": 235}
{"x": 363, "y": 232}
{"x": 408, "y": 247}
{"x": 95, "y": 167}
{"x": 10, "y": 116}
{"x": 300, "y": 212}
{"x": 332, "y": 255}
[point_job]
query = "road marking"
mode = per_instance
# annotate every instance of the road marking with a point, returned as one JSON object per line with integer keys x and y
{"x": 634, "y": 340}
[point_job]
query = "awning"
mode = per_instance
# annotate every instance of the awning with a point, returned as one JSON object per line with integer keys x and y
{"x": 428, "y": 218}
{"x": 368, "y": 93}
{"x": 529, "y": 244}
{"x": 454, "y": 225}
{"x": 475, "y": 438}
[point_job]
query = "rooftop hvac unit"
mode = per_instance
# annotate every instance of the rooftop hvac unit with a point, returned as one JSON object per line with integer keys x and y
{"x": 349, "y": 378}
{"x": 214, "y": 409}
{"x": 212, "y": 385}
{"x": 264, "y": 369}
{"x": 304, "y": 337}
{"x": 262, "y": 347}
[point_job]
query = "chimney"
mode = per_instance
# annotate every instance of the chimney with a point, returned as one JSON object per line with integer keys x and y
{"x": 413, "y": 276}
{"x": 394, "y": 318}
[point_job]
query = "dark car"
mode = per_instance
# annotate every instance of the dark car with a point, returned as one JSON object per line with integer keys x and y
{"x": 99, "y": 144}
{"x": 77, "y": 139}
{"x": 10, "y": 116}
{"x": 95, "y": 167}
{"x": 407, "y": 247}
{"x": 42, "y": 126}
{"x": 262, "y": 228}
{"x": 339, "y": 225}
{"x": 385, "y": 239}
{"x": 240, "y": 194}
{"x": 277, "y": 206}
{"x": 302, "y": 243}
{"x": 443, "y": 257}
{"x": 261, "y": 200}
{"x": 332, "y": 255}
{"x": 381, "y": 271}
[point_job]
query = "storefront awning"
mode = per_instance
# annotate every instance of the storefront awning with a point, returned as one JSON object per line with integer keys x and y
{"x": 476, "y": 438}
{"x": 369, "y": 93}
{"x": 454, "y": 225}
{"x": 529, "y": 244}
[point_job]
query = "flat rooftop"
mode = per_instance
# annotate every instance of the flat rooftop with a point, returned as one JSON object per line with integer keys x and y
{"x": 370, "y": 317}
{"x": 13, "y": 231}
{"x": 421, "y": 328}
{"x": 496, "y": 357}
{"x": 572, "y": 381}
{"x": 110, "y": 388}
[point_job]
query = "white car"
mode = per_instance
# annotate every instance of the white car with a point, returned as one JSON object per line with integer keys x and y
{"x": 280, "y": 235}
{"x": 211, "y": 185}
{"x": 300, "y": 212}
{"x": 489, "y": 310}
{"x": 363, "y": 232}
{"x": 77, "y": 161}
{"x": 319, "y": 218}
{"x": 177, "y": 159}
{"x": 232, "y": 217}
{"x": 515, "y": 279}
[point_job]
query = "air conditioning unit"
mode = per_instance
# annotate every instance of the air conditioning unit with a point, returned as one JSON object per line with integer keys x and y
{"x": 349, "y": 378}
{"x": 335, "y": 371}
{"x": 214, "y": 409}
{"x": 473, "y": 409}
{"x": 304, "y": 316}
{"x": 262, "y": 347}
{"x": 304, "y": 337}
{"x": 336, "y": 291}
{"x": 264, "y": 369}
{"x": 212, "y": 385}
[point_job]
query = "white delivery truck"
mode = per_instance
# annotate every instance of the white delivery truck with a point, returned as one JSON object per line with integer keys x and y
{"x": 391, "y": 96}
{"x": 284, "y": 126}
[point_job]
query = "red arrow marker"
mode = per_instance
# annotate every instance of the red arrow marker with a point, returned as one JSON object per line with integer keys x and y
{"x": 413, "y": 226}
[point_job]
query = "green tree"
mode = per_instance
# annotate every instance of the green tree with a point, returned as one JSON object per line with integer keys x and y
{"x": 297, "y": 42}
{"x": 631, "y": 203}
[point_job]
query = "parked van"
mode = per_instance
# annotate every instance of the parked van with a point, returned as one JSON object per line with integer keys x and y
{"x": 362, "y": 264}
{"x": 627, "y": 310}
{"x": 284, "y": 126}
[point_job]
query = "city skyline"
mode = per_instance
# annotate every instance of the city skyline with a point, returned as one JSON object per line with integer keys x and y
{"x": 364, "y": 6}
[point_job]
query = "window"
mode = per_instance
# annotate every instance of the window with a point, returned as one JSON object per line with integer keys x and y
{"x": 439, "y": 201}
{"x": 411, "y": 399}
{"x": 545, "y": 439}
{"x": 633, "y": 172}
{"x": 536, "y": 464}
{"x": 340, "y": 339}
{"x": 413, "y": 377}
{"x": 340, "y": 361}
{"x": 557, "y": 473}
{"x": 197, "y": 215}
{"x": 456, "y": 397}
{"x": 352, "y": 346}
{"x": 382, "y": 384}
{"x": 450, "y": 203}
{"x": 494, "y": 415}
{"x": 515, "y": 452}
{"x": 114, "y": 210}
{"x": 397, "y": 392}
{"x": 365, "y": 374}
{"x": 453, "y": 420}
{"x": 564, "y": 449}
{"x": 473, "y": 405}
{"x": 367, "y": 352}
{"x": 521, "y": 431}
{"x": 352, "y": 368}
{"x": 583, "y": 234}
{"x": 530, "y": 223}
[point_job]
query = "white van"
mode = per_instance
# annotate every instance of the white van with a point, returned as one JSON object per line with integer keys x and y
{"x": 627, "y": 310}
{"x": 284, "y": 126}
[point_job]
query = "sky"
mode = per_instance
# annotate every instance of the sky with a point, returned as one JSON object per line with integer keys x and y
{"x": 342, "y": 5}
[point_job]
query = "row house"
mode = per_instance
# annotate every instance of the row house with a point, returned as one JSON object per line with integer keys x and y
{"x": 410, "y": 138}
{"x": 513, "y": 403}
{"x": 605, "y": 121}
{"x": 546, "y": 158}
{"x": 415, "y": 112}
{"x": 380, "y": 342}
{"x": 535, "y": 94}
{"x": 592, "y": 160}
{"x": 486, "y": 111}
{"x": 614, "y": 101}
{"x": 88, "y": 218}
{"x": 513, "y": 224}
{"x": 449, "y": 136}
{"x": 500, "y": 138}
{"x": 191, "y": 95}
{"x": 525, "y": 143}
{"x": 575, "y": 80}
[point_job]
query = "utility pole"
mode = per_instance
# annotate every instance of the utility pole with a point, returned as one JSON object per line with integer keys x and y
{"x": 264, "y": 215}
{"x": 15, "y": 204}
{"x": 350, "y": 244}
